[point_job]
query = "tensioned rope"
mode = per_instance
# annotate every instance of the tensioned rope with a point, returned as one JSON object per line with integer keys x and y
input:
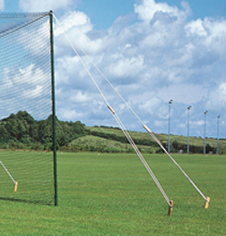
{"x": 159, "y": 143}
{"x": 129, "y": 138}
{"x": 11, "y": 177}
{"x": 144, "y": 125}
{"x": 8, "y": 172}
{"x": 121, "y": 125}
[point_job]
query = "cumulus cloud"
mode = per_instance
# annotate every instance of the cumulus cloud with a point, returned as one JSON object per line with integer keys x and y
{"x": 15, "y": 77}
{"x": 217, "y": 98}
{"x": 124, "y": 67}
{"x": 147, "y": 10}
{"x": 37, "y": 46}
{"x": 69, "y": 114}
{"x": 76, "y": 25}
{"x": 162, "y": 55}
{"x": 25, "y": 88}
{"x": 196, "y": 28}
{"x": 154, "y": 107}
{"x": 76, "y": 20}
{"x": 183, "y": 93}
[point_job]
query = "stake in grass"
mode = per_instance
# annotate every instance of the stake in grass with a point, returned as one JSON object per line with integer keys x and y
{"x": 15, "y": 182}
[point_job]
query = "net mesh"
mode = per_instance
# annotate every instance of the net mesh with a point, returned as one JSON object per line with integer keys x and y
{"x": 25, "y": 108}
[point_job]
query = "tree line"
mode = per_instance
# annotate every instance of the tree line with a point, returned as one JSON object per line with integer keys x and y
{"x": 22, "y": 131}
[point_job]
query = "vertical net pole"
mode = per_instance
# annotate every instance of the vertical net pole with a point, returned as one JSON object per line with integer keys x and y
{"x": 53, "y": 108}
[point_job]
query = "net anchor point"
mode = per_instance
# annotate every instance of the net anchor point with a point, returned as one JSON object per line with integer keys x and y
{"x": 207, "y": 202}
{"x": 170, "y": 208}
{"x": 16, "y": 185}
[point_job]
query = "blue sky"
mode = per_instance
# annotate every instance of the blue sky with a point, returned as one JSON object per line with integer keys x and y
{"x": 103, "y": 16}
{"x": 104, "y": 12}
{"x": 151, "y": 51}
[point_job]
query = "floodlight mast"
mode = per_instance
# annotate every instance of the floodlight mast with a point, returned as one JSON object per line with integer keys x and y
{"x": 170, "y": 102}
{"x": 189, "y": 108}
{"x": 218, "y": 118}
{"x": 204, "y": 145}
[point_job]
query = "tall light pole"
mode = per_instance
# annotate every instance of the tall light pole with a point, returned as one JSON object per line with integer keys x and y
{"x": 170, "y": 102}
{"x": 218, "y": 118}
{"x": 204, "y": 146}
{"x": 189, "y": 108}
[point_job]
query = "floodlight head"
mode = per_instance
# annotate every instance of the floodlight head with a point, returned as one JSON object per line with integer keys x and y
{"x": 170, "y": 101}
{"x": 189, "y": 107}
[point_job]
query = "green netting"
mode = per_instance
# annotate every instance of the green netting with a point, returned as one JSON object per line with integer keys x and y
{"x": 26, "y": 127}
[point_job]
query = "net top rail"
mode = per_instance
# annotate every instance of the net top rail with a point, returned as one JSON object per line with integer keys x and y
{"x": 11, "y": 22}
{"x": 8, "y": 15}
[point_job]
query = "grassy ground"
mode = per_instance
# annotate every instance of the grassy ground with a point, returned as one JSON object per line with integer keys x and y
{"x": 112, "y": 194}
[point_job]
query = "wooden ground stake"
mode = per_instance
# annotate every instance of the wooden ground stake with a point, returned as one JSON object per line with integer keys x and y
{"x": 207, "y": 202}
{"x": 170, "y": 208}
{"x": 16, "y": 185}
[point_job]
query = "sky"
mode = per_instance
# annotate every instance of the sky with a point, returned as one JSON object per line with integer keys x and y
{"x": 151, "y": 51}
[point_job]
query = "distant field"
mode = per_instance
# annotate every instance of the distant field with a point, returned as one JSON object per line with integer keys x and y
{"x": 112, "y": 194}
{"x": 145, "y": 142}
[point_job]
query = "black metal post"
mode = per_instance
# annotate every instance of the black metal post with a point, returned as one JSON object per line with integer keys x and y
{"x": 53, "y": 107}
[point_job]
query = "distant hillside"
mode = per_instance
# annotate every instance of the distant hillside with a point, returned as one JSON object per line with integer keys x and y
{"x": 22, "y": 131}
{"x": 110, "y": 139}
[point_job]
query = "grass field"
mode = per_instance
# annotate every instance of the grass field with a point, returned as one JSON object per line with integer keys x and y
{"x": 112, "y": 194}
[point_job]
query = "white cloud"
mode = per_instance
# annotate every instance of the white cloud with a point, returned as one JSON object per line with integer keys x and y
{"x": 154, "y": 107}
{"x": 212, "y": 33}
{"x": 183, "y": 93}
{"x": 2, "y": 5}
{"x": 69, "y": 114}
{"x": 217, "y": 98}
{"x": 72, "y": 20}
{"x": 125, "y": 67}
{"x": 27, "y": 77}
{"x": 148, "y": 8}
{"x": 196, "y": 27}
{"x": 80, "y": 97}
{"x": 44, "y": 5}
{"x": 34, "y": 92}
{"x": 37, "y": 45}
{"x": 162, "y": 55}
{"x": 197, "y": 123}
{"x": 77, "y": 26}
{"x": 25, "y": 88}
{"x": 216, "y": 35}
{"x": 160, "y": 123}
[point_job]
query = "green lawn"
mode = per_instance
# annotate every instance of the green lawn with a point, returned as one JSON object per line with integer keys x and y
{"x": 113, "y": 194}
